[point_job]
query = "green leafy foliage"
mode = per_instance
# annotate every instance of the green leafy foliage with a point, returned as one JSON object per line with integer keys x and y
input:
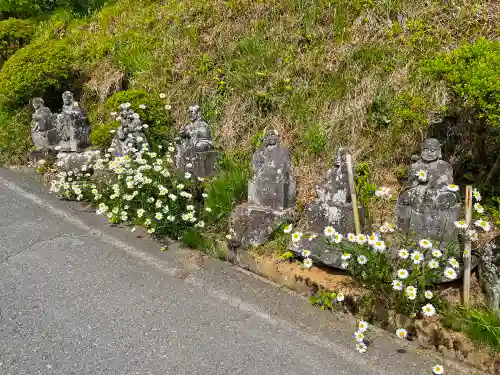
{"x": 472, "y": 71}
{"x": 40, "y": 67}
{"x": 36, "y": 8}
{"x": 14, "y": 136}
{"x": 364, "y": 187}
{"x": 325, "y": 300}
{"x": 14, "y": 33}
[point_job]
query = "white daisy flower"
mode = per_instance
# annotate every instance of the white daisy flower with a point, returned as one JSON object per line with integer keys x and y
{"x": 411, "y": 296}
{"x": 340, "y": 297}
{"x": 297, "y": 236}
{"x": 361, "y": 239}
{"x": 358, "y": 336}
{"x": 372, "y": 239}
{"x": 337, "y": 238}
{"x": 478, "y": 208}
{"x": 425, "y": 243}
{"x": 403, "y": 274}
{"x": 379, "y": 246}
{"x": 411, "y": 289}
{"x": 482, "y": 224}
{"x": 344, "y": 265}
{"x": 361, "y": 347}
{"x": 404, "y": 254}
{"x": 401, "y": 332}
{"x": 450, "y": 273}
{"x": 438, "y": 370}
{"x": 417, "y": 257}
{"x": 433, "y": 264}
{"x": 397, "y": 285}
{"x": 345, "y": 256}
{"x": 158, "y": 216}
{"x": 308, "y": 263}
{"x": 436, "y": 253}
{"x": 142, "y": 106}
{"x": 351, "y": 237}
{"x": 460, "y": 224}
{"x": 453, "y": 262}
{"x": 187, "y": 175}
{"x": 428, "y": 310}
{"x": 306, "y": 253}
{"x": 421, "y": 175}
{"x": 362, "y": 259}
{"x": 362, "y": 326}
{"x": 452, "y": 187}
{"x": 163, "y": 95}
{"x": 329, "y": 231}
{"x": 288, "y": 228}
{"x": 428, "y": 294}
{"x": 472, "y": 235}
{"x": 476, "y": 194}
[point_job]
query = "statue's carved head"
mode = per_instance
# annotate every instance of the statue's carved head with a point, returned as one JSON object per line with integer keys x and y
{"x": 431, "y": 150}
{"x": 271, "y": 138}
{"x": 37, "y": 103}
{"x": 68, "y": 97}
{"x": 340, "y": 157}
{"x": 194, "y": 113}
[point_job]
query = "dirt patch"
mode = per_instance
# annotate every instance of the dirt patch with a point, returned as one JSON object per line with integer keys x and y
{"x": 106, "y": 80}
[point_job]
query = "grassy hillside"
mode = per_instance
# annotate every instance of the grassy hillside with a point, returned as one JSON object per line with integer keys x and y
{"x": 322, "y": 72}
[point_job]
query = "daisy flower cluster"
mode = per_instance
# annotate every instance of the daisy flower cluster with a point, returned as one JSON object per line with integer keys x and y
{"x": 359, "y": 336}
{"x": 141, "y": 188}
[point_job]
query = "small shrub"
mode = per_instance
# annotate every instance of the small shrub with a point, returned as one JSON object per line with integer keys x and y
{"x": 472, "y": 72}
{"x": 39, "y": 67}
{"x": 326, "y": 300}
{"x": 15, "y": 141}
{"x": 14, "y": 34}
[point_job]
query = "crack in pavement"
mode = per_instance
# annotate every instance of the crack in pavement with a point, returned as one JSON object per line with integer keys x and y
{"x": 33, "y": 243}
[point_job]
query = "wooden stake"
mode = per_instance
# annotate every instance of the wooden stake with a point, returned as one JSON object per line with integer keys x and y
{"x": 354, "y": 200}
{"x": 467, "y": 245}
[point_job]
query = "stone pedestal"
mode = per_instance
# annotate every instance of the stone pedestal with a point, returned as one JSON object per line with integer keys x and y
{"x": 74, "y": 161}
{"x": 436, "y": 224}
{"x": 253, "y": 225}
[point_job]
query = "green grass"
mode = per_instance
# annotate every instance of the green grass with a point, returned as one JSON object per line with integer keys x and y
{"x": 480, "y": 324}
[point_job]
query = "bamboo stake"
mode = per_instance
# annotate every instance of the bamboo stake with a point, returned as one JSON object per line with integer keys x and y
{"x": 354, "y": 200}
{"x": 467, "y": 245}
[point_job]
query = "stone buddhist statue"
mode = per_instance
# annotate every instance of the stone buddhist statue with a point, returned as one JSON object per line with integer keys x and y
{"x": 72, "y": 124}
{"x": 333, "y": 206}
{"x": 43, "y": 132}
{"x": 272, "y": 184}
{"x": 271, "y": 196}
{"x": 426, "y": 207}
{"x": 129, "y": 135}
{"x": 195, "y": 145}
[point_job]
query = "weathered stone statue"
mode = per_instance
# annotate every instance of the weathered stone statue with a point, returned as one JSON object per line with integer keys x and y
{"x": 195, "y": 145}
{"x": 489, "y": 273}
{"x": 43, "y": 132}
{"x": 271, "y": 195}
{"x": 129, "y": 135}
{"x": 426, "y": 207}
{"x": 72, "y": 125}
{"x": 272, "y": 184}
{"x": 332, "y": 207}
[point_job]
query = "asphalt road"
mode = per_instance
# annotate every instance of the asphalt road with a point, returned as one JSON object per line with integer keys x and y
{"x": 80, "y": 297}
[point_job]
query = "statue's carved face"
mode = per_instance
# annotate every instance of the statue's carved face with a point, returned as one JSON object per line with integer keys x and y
{"x": 194, "y": 113}
{"x": 430, "y": 152}
{"x": 67, "y": 98}
{"x": 37, "y": 103}
{"x": 271, "y": 138}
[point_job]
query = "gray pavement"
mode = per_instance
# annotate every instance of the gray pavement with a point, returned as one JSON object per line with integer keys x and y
{"x": 80, "y": 297}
